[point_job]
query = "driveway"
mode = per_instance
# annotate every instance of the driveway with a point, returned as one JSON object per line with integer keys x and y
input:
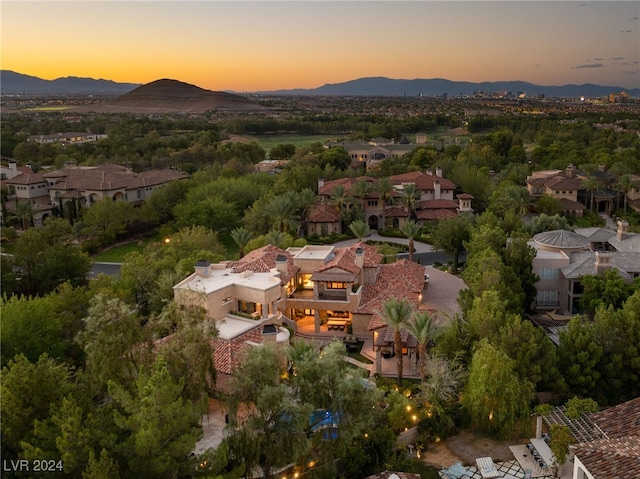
{"x": 442, "y": 294}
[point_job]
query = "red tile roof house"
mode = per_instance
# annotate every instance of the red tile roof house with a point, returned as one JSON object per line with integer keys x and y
{"x": 617, "y": 455}
{"x": 322, "y": 284}
{"x": 436, "y": 201}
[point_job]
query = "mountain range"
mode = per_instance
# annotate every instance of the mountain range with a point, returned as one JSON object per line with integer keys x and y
{"x": 17, "y": 83}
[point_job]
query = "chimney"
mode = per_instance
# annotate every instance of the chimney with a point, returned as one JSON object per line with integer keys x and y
{"x": 320, "y": 184}
{"x": 439, "y": 172}
{"x": 570, "y": 172}
{"x": 281, "y": 265}
{"x": 360, "y": 263}
{"x": 603, "y": 262}
{"x": 202, "y": 268}
{"x": 436, "y": 190}
{"x": 429, "y": 171}
{"x": 621, "y": 233}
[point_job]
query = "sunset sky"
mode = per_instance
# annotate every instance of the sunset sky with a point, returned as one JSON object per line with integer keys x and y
{"x": 264, "y": 45}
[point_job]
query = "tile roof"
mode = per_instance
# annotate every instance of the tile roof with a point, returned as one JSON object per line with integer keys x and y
{"x": 617, "y": 458}
{"x": 324, "y": 213}
{"x": 562, "y": 183}
{"x": 621, "y": 420}
{"x": 26, "y": 179}
{"x": 263, "y": 260}
{"x": 440, "y": 214}
{"x": 395, "y": 212}
{"x": 326, "y": 189}
{"x": 402, "y": 279}
{"x": 109, "y": 177}
{"x": 423, "y": 181}
{"x": 345, "y": 258}
{"x": 438, "y": 204}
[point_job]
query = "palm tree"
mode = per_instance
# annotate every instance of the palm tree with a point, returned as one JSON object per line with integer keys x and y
{"x": 24, "y": 210}
{"x": 410, "y": 195}
{"x": 360, "y": 189}
{"x": 275, "y": 238}
{"x": 422, "y": 328}
{"x": 338, "y": 198}
{"x": 282, "y": 209}
{"x": 395, "y": 313}
{"x": 360, "y": 229}
{"x": 624, "y": 185}
{"x": 591, "y": 184}
{"x": 385, "y": 188}
{"x": 241, "y": 237}
{"x": 306, "y": 200}
{"x": 411, "y": 230}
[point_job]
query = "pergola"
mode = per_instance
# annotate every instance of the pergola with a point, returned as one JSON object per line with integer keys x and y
{"x": 583, "y": 429}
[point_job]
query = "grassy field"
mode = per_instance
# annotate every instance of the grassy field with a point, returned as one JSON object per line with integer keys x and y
{"x": 116, "y": 254}
{"x": 269, "y": 141}
{"x": 49, "y": 108}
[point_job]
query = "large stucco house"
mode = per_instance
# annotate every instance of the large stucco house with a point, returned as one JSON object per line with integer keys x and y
{"x": 327, "y": 287}
{"x": 436, "y": 200}
{"x": 53, "y": 191}
{"x": 564, "y": 257}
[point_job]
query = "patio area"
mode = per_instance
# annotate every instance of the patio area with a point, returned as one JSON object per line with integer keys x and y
{"x": 506, "y": 469}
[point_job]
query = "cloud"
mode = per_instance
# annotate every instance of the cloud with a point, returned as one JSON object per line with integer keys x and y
{"x": 537, "y": 65}
{"x": 633, "y": 19}
{"x": 598, "y": 59}
{"x": 618, "y": 58}
{"x": 589, "y": 65}
{"x": 625, "y": 31}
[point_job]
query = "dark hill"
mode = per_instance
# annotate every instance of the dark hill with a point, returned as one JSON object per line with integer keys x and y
{"x": 162, "y": 96}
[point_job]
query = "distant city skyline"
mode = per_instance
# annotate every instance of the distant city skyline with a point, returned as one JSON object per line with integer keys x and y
{"x": 266, "y": 45}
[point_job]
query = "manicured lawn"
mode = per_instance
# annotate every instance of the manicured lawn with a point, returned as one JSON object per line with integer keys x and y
{"x": 269, "y": 141}
{"x": 117, "y": 253}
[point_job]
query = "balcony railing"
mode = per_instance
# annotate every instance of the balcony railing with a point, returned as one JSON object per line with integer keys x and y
{"x": 336, "y": 295}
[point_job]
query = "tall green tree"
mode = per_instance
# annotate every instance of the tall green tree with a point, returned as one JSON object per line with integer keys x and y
{"x": 106, "y": 219}
{"x": 495, "y": 397}
{"x": 450, "y": 235}
{"x": 591, "y": 184}
{"x": 162, "y": 428}
{"x": 273, "y": 434}
{"x": 579, "y": 355}
{"x": 28, "y": 393}
{"x": 395, "y": 313}
{"x": 617, "y": 332}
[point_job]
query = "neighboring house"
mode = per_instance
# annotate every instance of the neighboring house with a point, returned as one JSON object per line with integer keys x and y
{"x": 11, "y": 170}
{"x": 372, "y": 152}
{"x": 561, "y": 185}
{"x": 68, "y": 138}
{"x": 329, "y": 287}
{"x": 270, "y": 166}
{"x": 563, "y": 257}
{"x": 435, "y": 201}
{"x": 607, "y": 442}
{"x": 91, "y": 184}
{"x": 83, "y": 186}
{"x": 567, "y": 186}
{"x": 29, "y": 187}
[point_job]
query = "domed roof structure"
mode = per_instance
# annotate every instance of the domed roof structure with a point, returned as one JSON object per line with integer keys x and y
{"x": 561, "y": 239}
